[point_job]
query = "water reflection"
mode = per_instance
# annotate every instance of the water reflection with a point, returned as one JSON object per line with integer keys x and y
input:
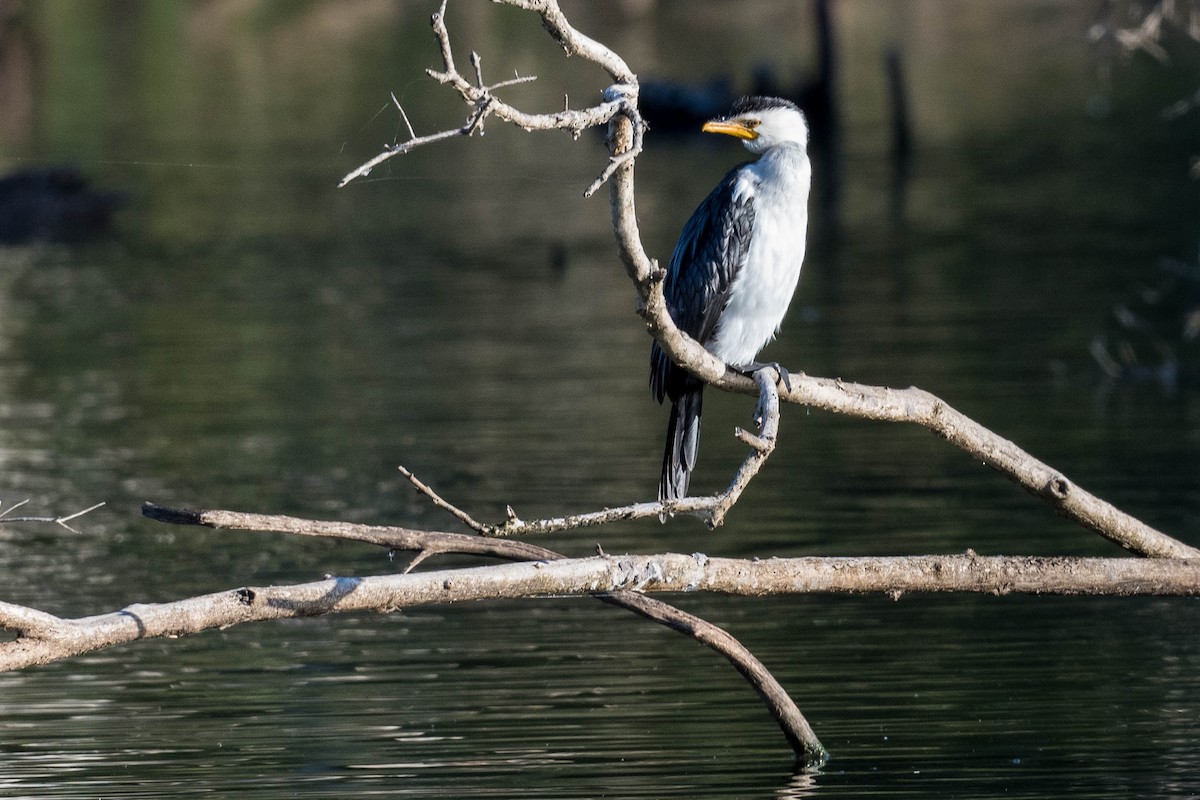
{"x": 802, "y": 785}
{"x": 251, "y": 337}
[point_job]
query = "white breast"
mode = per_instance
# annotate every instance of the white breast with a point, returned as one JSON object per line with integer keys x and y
{"x": 762, "y": 290}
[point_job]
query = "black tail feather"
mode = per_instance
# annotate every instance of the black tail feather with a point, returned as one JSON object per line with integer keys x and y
{"x": 683, "y": 444}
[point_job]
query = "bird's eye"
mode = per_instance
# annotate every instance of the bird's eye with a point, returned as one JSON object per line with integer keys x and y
{"x": 752, "y": 123}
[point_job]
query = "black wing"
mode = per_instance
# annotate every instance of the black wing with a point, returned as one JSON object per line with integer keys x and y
{"x": 711, "y": 250}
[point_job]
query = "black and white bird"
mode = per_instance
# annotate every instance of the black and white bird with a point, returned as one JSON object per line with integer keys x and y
{"x": 735, "y": 267}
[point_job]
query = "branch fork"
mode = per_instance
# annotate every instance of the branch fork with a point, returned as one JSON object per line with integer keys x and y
{"x": 61, "y": 521}
{"x": 617, "y": 100}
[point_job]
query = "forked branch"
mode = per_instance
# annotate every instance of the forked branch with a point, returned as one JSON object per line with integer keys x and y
{"x": 485, "y": 103}
{"x": 6, "y": 515}
{"x": 425, "y": 544}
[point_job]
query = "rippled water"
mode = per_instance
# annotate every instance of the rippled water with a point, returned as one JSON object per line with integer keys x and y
{"x": 250, "y": 337}
{"x": 563, "y": 699}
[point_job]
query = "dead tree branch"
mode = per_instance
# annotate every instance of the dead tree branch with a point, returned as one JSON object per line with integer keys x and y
{"x": 485, "y": 103}
{"x": 425, "y": 544}
{"x": 619, "y": 580}
{"x": 43, "y": 637}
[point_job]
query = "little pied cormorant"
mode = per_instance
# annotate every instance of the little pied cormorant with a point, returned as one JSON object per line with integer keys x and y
{"x": 735, "y": 267}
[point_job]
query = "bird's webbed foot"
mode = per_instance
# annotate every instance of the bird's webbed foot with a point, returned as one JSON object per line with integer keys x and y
{"x": 785, "y": 377}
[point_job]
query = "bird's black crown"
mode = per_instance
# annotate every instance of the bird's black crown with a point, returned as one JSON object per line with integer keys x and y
{"x": 749, "y": 105}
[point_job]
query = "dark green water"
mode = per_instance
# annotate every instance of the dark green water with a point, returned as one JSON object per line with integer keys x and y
{"x": 250, "y": 337}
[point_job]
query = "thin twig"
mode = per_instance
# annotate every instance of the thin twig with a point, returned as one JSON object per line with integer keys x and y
{"x": 60, "y": 520}
{"x": 411, "y": 133}
{"x": 477, "y": 63}
{"x": 77, "y": 514}
{"x": 436, "y": 499}
{"x": 514, "y": 81}
{"x": 365, "y": 168}
{"x": 13, "y": 507}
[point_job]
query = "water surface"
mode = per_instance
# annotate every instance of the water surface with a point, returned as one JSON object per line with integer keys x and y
{"x": 250, "y": 337}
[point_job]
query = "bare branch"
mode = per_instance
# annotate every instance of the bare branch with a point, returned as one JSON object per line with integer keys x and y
{"x": 711, "y": 509}
{"x": 392, "y": 537}
{"x": 437, "y": 500}
{"x": 365, "y": 168}
{"x": 429, "y": 543}
{"x": 514, "y": 81}
{"x": 900, "y": 405}
{"x": 897, "y": 405}
{"x": 484, "y": 102}
{"x": 799, "y": 733}
{"x": 920, "y": 407}
{"x": 624, "y": 132}
{"x": 620, "y": 580}
{"x": 46, "y": 638}
{"x": 761, "y": 446}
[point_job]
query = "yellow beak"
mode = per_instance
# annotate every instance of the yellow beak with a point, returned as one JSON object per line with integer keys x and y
{"x": 732, "y": 128}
